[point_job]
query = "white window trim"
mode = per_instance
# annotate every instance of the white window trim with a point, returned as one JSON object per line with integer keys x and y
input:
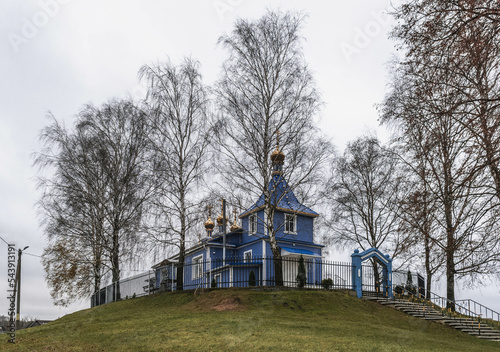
{"x": 252, "y": 216}
{"x": 197, "y": 267}
{"x": 245, "y": 258}
{"x": 294, "y": 224}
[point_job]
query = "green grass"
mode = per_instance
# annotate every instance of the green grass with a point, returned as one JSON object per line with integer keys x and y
{"x": 254, "y": 320}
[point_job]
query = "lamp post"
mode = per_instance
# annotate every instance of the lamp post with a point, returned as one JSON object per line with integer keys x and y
{"x": 18, "y": 281}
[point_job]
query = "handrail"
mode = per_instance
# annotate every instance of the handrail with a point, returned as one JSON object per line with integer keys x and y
{"x": 452, "y": 309}
{"x": 488, "y": 312}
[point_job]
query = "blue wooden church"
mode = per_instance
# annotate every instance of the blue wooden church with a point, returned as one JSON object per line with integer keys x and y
{"x": 234, "y": 258}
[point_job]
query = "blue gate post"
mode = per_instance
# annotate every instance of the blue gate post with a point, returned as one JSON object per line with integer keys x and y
{"x": 387, "y": 273}
{"x": 356, "y": 273}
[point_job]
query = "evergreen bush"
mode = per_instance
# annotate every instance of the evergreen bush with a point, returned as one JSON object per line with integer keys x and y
{"x": 251, "y": 279}
{"x": 327, "y": 283}
{"x": 399, "y": 289}
{"x": 213, "y": 284}
{"x": 410, "y": 287}
{"x": 301, "y": 275}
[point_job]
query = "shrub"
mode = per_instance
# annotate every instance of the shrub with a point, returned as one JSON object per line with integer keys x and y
{"x": 327, "y": 283}
{"x": 213, "y": 284}
{"x": 410, "y": 287}
{"x": 301, "y": 276}
{"x": 251, "y": 279}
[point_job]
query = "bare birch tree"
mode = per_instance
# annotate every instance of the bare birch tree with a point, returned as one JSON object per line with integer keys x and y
{"x": 266, "y": 87}
{"x": 71, "y": 214}
{"x": 120, "y": 131}
{"x": 365, "y": 192}
{"x": 177, "y": 115}
{"x": 96, "y": 198}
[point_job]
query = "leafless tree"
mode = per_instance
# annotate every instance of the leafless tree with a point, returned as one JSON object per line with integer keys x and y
{"x": 96, "y": 198}
{"x": 71, "y": 214}
{"x": 425, "y": 114}
{"x": 365, "y": 191}
{"x": 419, "y": 208}
{"x": 462, "y": 38}
{"x": 266, "y": 87}
{"x": 121, "y": 134}
{"x": 177, "y": 115}
{"x": 418, "y": 220}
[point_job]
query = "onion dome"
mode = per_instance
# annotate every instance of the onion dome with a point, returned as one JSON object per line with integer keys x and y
{"x": 219, "y": 220}
{"x": 234, "y": 226}
{"x": 209, "y": 224}
{"x": 277, "y": 156}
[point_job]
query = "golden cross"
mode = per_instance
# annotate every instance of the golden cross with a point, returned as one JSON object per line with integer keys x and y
{"x": 278, "y": 139}
{"x": 209, "y": 210}
{"x": 235, "y": 213}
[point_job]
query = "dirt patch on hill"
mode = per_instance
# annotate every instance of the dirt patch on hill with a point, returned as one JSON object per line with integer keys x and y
{"x": 230, "y": 303}
{"x": 218, "y": 301}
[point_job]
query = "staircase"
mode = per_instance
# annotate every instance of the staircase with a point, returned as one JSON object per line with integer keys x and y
{"x": 469, "y": 324}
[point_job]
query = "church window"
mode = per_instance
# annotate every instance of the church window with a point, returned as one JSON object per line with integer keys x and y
{"x": 197, "y": 267}
{"x": 290, "y": 223}
{"x": 247, "y": 256}
{"x": 252, "y": 224}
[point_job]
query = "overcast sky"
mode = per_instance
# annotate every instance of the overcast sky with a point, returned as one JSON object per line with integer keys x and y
{"x": 60, "y": 54}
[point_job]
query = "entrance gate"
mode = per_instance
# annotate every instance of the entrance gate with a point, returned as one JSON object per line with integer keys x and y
{"x": 357, "y": 270}
{"x": 371, "y": 281}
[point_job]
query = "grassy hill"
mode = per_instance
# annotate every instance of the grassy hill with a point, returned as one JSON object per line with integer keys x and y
{"x": 244, "y": 320}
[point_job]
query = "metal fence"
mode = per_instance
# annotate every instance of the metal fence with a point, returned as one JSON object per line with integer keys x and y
{"x": 372, "y": 283}
{"x": 135, "y": 286}
{"x": 401, "y": 281}
{"x": 232, "y": 272}
{"x": 260, "y": 271}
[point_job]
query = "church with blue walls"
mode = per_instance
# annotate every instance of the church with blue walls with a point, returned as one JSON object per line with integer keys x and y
{"x": 241, "y": 255}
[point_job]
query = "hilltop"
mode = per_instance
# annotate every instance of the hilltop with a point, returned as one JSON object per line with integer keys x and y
{"x": 244, "y": 320}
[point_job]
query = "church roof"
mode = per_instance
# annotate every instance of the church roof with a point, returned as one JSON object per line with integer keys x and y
{"x": 283, "y": 197}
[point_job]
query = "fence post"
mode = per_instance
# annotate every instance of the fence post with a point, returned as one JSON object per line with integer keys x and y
{"x": 172, "y": 269}
{"x": 356, "y": 273}
{"x": 264, "y": 270}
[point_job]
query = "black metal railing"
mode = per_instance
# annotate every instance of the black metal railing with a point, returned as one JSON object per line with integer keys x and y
{"x": 253, "y": 271}
{"x": 486, "y": 314}
{"x": 460, "y": 310}
{"x": 261, "y": 271}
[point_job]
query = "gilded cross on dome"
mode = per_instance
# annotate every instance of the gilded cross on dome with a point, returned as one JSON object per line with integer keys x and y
{"x": 219, "y": 218}
{"x": 209, "y": 224}
{"x": 234, "y": 226}
{"x": 277, "y": 156}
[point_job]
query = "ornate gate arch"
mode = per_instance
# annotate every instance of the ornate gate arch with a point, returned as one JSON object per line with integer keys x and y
{"x": 357, "y": 272}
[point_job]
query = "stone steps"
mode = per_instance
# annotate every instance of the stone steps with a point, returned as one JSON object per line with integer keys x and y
{"x": 419, "y": 310}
